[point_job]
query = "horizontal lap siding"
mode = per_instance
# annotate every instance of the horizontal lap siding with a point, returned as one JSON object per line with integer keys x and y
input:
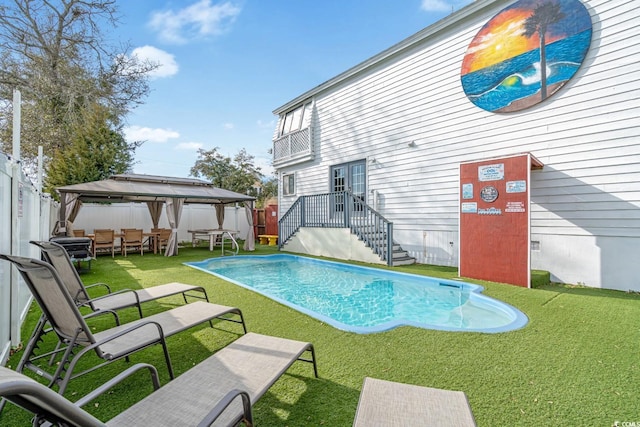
{"x": 587, "y": 134}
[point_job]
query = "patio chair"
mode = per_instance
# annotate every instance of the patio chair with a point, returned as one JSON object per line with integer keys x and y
{"x": 387, "y": 403}
{"x": 103, "y": 239}
{"x": 163, "y": 237}
{"x": 204, "y": 395}
{"x": 71, "y": 329}
{"x": 58, "y": 257}
{"x": 131, "y": 238}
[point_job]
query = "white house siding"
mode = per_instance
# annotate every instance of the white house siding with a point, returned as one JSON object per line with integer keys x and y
{"x": 585, "y": 213}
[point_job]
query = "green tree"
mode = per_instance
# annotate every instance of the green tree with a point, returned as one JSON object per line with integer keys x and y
{"x": 56, "y": 53}
{"x": 237, "y": 174}
{"x": 538, "y": 23}
{"x": 269, "y": 190}
{"x": 95, "y": 151}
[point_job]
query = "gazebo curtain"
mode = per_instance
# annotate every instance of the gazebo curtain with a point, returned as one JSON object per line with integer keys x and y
{"x": 174, "y": 211}
{"x": 155, "y": 210}
{"x": 72, "y": 205}
{"x": 220, "y": 215}
{"x": 250, "y": 241}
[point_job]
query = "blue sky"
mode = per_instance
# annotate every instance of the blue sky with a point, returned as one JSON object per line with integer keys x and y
{"x": 226, "y": 65}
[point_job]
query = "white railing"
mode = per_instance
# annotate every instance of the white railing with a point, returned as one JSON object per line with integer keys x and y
{"x": 340, "y": 209}
{"x": 293, "y": 147}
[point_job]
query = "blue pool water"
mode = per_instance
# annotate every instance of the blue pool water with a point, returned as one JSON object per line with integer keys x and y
{"x": 365, "y": 300}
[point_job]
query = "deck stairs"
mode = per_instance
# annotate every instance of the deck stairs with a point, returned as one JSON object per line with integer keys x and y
{"x": 369, "y": 236}
{"x": 344, "y": 210}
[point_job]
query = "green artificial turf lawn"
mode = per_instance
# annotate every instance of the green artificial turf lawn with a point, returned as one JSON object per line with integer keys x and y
{"x": 575, "y": 363}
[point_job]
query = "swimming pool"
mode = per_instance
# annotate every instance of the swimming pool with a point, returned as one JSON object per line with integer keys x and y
{"x": 365, "y": 300}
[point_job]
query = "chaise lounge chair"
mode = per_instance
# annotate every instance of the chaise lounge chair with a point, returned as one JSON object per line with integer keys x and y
{"x": 58, "y": 257}
{"x": 386, "y": 403}
{"x": 204, "y": 395}
{"x": 60, "y": 311}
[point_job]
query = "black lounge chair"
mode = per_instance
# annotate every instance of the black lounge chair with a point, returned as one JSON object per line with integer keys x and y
{"x": 76, "y": 338}
{"x": 57, "y": 256}
{"x": 206, "y": 394}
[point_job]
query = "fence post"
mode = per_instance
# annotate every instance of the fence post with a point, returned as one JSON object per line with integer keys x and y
{"x": 16, "y": 213}
{"x": 16, "y": 206}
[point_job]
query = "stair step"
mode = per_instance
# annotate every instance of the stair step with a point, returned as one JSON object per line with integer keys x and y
{"x": 407, "y": 260}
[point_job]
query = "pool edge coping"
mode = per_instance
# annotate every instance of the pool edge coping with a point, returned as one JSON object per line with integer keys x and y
{"x": 519, "y": 322}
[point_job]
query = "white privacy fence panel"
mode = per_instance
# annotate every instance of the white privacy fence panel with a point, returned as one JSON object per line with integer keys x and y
{"x": 136, "y": 215}
{"x": 5, "y": 247}
{"x": 25, "y": 214}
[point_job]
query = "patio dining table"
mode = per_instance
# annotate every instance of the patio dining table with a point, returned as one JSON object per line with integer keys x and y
{"x": 212, "y": 235}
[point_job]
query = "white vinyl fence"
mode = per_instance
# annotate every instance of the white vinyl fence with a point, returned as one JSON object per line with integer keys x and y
{"x": 25, "y": 214}
{"x": 136, "y": 215}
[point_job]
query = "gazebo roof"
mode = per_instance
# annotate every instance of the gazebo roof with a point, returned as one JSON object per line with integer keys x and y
{"x": 148, "y": 188}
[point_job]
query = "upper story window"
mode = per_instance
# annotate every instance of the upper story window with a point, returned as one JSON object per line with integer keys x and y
{"x": 293, "y": 139}
{"x": 295, "y": 120}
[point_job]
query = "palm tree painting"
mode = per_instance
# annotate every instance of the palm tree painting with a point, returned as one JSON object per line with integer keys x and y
{"x": 525, "y": 54}
{"x": 543, "y": 15}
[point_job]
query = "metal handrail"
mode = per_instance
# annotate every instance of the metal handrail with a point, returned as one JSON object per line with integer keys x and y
{"x": 339, "y": 210}
{"x": 234, "y": 243}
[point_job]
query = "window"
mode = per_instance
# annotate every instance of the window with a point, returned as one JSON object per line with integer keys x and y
{"x": 295, "y": 120}
{"x": 288, "y": 185}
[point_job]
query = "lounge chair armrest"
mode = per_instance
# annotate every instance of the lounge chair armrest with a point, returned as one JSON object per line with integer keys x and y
{"x": 118, "y": 379}
{"x": 121, "y": 291}
{"x": 104, "y": 285}
{"x": 224, "y": 403}
{"x": 100, "y": 313}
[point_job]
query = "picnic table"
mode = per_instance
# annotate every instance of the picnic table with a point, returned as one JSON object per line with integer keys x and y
{"x": 212, "y": 235}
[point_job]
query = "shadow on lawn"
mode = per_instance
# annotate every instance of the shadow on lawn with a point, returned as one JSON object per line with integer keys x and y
{"x": 322, "y": 403}
{"x": 585, "y": 291}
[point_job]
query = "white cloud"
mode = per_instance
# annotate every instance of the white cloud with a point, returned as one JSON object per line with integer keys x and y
{"x": 189, "y": 146}
{"x": 139, "y": 133}
{"x": 228, "y": 126}
{"x": 201, "y": 19}
{"x": 265, "y": 164}
{"x": 443, "y": 5}
{"x": 167, "y": 65}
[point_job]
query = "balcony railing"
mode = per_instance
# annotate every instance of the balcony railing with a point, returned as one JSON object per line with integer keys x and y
{"x": 339, "y": 210}
{"x": 293, "y": 147}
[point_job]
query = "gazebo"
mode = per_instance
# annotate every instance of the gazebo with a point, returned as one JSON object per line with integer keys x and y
{"x": 154, "y": 191}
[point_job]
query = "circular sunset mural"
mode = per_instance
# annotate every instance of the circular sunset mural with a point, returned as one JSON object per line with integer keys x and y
{"x": 525, "y": 53}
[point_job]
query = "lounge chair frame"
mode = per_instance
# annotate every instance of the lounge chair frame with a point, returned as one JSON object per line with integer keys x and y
{"x": 57, "y": 256}
{"x": 205, "y": 394}
{"x": 72, "y": 331}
